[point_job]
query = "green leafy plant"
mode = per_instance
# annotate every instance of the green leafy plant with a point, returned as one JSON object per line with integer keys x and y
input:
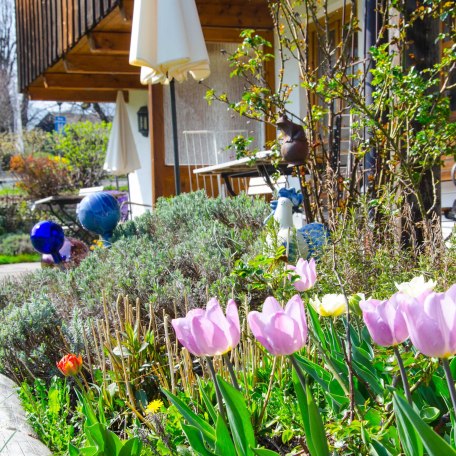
{"x": 103, "y": 442}
{"x": 84, "y": 145}
{"x": 50, "y": 413}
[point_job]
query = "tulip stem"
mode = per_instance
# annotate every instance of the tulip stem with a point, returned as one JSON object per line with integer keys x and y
{"x": 217, "y": 389}
{"x": 298, "y": 371}
{"x": 405, "y": 382}
{"x": 450, "y": 381}
{"x": 231, "y": 371}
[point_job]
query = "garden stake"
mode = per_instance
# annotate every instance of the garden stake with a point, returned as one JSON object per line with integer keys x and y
{"x": 231, "y": 371}
{"x": 170, "y": 353}
{"x": 348, "y": 351}
{"x": 119, "y": 319}
{"x": 89, "y": 358}
{"x": 268, "y": 393}
{"x": 405, "y": 382}
{"x": 127, "y": 383}
{"x": 217, "y": 389}
{"x": 450, "y": 381}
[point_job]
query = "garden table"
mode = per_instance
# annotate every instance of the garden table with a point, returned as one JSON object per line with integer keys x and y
{"x": 258, "y": 166}
{"x": 63, "y": 208}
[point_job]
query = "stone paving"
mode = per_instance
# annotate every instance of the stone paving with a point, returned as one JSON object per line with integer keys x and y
{"x": 16, "y": 436}
{"x": 8, "y": 271}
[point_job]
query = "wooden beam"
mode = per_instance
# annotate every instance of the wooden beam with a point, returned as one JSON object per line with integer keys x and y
{"x": 101, "y": 64}
{"x": 109, "y": 43}
{"x": 157, "y": 140}
{"x": 230, "y": 14}
{"x": 88, "y": 96}
{"x": 92, "y": 81}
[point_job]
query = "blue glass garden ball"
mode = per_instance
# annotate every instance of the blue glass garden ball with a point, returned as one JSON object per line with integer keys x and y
{"x": 316, "y": 235}
{"x": 47, "y": 237}
{"x": 100, "y": 213}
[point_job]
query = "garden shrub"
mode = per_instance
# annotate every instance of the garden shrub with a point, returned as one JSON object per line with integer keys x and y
{"x": 84, "y": 145}
{"x": 16, "y": 244}
{"x": 30, "y": 340}
{"x": 16, "y": 215}
{"x": 174, "y": 257}
{"x": 41, "y": 176}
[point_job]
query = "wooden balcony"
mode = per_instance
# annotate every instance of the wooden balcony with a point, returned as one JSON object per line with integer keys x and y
{"x": 77, "y": 50}
{"x": 48, "y": 29}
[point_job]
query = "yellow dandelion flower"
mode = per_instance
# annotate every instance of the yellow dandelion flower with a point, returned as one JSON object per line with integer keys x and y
{"x": 154, "y": 406}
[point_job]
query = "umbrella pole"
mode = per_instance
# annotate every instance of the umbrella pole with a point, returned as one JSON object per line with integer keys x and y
{"x": 175, "y": 139}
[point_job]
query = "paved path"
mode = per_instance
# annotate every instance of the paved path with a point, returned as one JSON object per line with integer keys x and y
{"x": 16, "y": 436}
{"x": 16, "y": 270}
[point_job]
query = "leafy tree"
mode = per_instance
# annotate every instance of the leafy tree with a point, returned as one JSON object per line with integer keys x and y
{"x": 84, "y": 145}
{"x": 399, "y": 130}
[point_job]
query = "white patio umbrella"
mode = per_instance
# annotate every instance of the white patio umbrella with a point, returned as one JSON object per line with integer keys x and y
{"x": 121, "y": 155}
{"x": 167, "y": 43}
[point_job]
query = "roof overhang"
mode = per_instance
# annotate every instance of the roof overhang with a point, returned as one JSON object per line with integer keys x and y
{"x": 97, "y": 66}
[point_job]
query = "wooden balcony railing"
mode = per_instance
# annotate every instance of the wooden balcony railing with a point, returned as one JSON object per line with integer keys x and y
{"x": 46, "y": 29}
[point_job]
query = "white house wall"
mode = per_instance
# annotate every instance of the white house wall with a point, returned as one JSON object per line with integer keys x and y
{"x": 140, "y": 181}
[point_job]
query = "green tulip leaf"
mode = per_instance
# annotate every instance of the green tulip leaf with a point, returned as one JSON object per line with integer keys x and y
{"x": 87, "y": 409}
{"x": 238, "y": 417}
{"x": 192, "y": 418}
{"x": 131, "y": 447}
{"x": 105, "y": 440}
{"x": 434, "y": 444}
{"x": 302, "y": 402}
{"x": 313, "y": 424}
{"x": 207, "y": 402}
{"x": 377, "y": 449}
{"x": 89, "y": 451}
{"x": 224, "y": 444}
{"x": 72, "y": 450}
{"x": 429, "y": 414}
{"x": 263, "y": 452}
{"x": 410, "y": 440}
{"x": 195, "y": 438}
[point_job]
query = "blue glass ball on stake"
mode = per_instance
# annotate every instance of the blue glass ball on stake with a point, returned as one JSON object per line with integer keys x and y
{"x": 316, "y": 235}
{"x": 100, "y": 213}
{"x": 48, "y": 237}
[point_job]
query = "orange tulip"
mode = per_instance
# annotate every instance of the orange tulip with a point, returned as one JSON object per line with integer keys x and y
{"x": 70, "y": 365}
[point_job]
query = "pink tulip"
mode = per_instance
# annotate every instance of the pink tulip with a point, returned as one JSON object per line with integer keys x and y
{"x": 431, "y": 322}
{"x": 281, "y": 332}
{"x": 385, "y": 321}
{"x": 208, "y": 332}
{"x": 307, "y": 274}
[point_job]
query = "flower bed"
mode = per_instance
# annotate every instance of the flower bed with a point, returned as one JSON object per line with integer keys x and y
{"x": 289, "y": 367}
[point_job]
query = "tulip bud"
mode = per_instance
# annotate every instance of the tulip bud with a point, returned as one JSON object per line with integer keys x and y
{"x": 280, "y": 331}
{"x": 431, "y": 322}
{"x": 385, "y": 321}
{"x": 331, "y": 305}
{"x": 307, "y": 273}
{"x": 209, "y": 332}
{"x": 416, "y": 287}
{"x": 70, "y": 365}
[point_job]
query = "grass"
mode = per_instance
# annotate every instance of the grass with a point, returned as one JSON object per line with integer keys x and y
{"x": 24, "y": 258}
{"x": 11, "y": 191}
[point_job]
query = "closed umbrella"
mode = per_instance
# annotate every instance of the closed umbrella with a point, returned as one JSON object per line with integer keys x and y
{"x": 167, "y": 43}
{"x": 121, "y": 155}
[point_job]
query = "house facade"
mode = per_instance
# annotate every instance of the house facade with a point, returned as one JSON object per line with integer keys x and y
{"x": 77, "y": 50}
